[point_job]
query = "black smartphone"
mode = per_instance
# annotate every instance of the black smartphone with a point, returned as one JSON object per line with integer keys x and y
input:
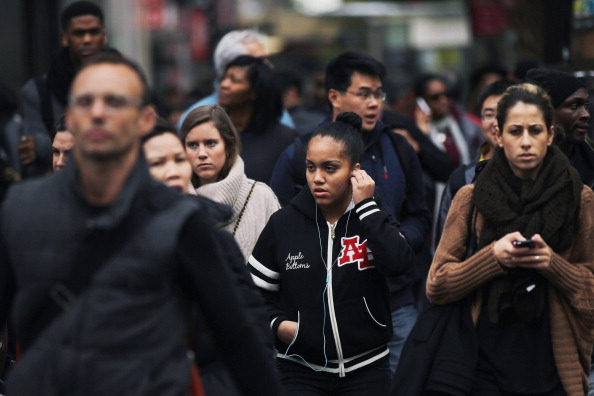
{"x": 528, "y": 243}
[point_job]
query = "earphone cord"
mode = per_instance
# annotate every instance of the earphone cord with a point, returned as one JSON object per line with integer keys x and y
{"x": 320, "y": 240}
{"x": 328, "y": 269}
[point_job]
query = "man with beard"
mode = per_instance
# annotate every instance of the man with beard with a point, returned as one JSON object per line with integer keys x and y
{"x": 45, "y": 97}
{"x": 570, "y": 98}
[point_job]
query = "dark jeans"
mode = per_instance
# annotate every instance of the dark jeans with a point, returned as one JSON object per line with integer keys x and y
{"x": 299, "y": 380}
{"x": 403, "y": 320}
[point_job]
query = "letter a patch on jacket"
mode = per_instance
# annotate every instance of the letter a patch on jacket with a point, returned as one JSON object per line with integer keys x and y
{"x": 352, "y": 251}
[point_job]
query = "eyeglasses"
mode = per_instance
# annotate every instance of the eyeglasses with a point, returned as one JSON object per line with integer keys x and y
{"x": 437, "y": 96}
{"x": 366, "y": 95}
{"x": 113, "y": 103}
{"x": 488, "y": 116}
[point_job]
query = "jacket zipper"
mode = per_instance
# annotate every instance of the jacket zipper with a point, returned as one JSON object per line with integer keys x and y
{"x": 330, "y": 296}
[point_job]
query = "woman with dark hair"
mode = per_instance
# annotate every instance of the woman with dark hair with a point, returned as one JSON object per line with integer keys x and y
{"x": 168, "y": 163}
{"x": 530, "y": 281}
{"x": 253, "y": 100}
{"x": 62, "y": 144}
{"x": 166, "y": 157}
{"x": 321, "y": 263}
{"x": 213, "y": 145}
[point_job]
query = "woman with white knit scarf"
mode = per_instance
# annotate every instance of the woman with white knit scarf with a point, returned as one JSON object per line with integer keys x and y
{"x": 213, "y": 145}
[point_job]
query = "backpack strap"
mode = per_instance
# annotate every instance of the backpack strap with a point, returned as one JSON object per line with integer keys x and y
{"x": 478, "y": 168}
{"x": 299, "y": 154}
{"x": 47, "y": 115}
{"x": 471, "y": 239}
{"x": 457, "y": 180}
{"x": 397, "y": 142}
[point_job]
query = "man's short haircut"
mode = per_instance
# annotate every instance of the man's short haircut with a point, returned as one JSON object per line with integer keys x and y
{"x": 340, "y": 69}
{"x": 79, "y": 8}
{"x": 232, "y": 45}
{"x": 494, "y": 89}
{"x": 115, "y": 58}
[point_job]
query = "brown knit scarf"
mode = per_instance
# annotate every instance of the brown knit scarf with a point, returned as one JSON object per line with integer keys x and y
{"x": 548, "y": 206}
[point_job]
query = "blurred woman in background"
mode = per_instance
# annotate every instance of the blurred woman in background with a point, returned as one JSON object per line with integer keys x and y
{"x": 166, "y": 157}
{"x": 253, "y": 101}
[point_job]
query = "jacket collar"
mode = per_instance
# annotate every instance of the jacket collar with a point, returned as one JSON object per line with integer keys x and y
{"x": 372, "y": 137}
{"x": 305, "y": 203}
{"x": 228, "y": 190}
{"x": 138, "y": 182}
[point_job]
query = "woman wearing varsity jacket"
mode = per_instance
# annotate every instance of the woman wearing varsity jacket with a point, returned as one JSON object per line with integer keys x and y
{"x": 320, "y": 264}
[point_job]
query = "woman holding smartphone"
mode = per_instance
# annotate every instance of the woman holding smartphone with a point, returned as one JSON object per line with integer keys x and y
{"x": 532, "y": 302}
{"x": 321, "y": 263}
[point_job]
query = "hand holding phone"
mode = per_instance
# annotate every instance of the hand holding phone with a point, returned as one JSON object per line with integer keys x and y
{"x": 528, "y": 243}
{"x": 536, "y": 254}
{"x": 423, "y": 115}
{"x": 423, "y": 105}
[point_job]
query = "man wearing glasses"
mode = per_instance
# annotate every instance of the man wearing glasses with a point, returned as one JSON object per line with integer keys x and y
{"x": 99, "y": 263}
{"x": 354, "y": 83}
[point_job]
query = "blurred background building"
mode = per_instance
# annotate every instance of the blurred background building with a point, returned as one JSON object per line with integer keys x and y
{"x": 174, "y": 39}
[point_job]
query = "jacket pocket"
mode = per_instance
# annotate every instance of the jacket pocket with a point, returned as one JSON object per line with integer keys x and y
{"x": 307, "y": 341}
{"x": 297, "y": 329}
{"x": 377, "y": 321}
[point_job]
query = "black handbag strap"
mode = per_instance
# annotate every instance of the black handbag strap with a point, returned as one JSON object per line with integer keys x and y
{"x": 240, "y": 215}
{"x": 471, "y": 239}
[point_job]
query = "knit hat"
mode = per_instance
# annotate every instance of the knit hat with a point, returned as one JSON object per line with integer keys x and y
{"x": 558, "y": 85}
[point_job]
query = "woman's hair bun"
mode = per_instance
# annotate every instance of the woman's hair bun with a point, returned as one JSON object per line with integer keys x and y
{"x": 350, "y": 118}
{"x": 345, "y": 130}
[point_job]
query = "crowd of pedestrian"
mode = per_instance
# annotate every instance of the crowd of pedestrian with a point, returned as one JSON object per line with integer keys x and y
{"x": 262, "y": 246}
